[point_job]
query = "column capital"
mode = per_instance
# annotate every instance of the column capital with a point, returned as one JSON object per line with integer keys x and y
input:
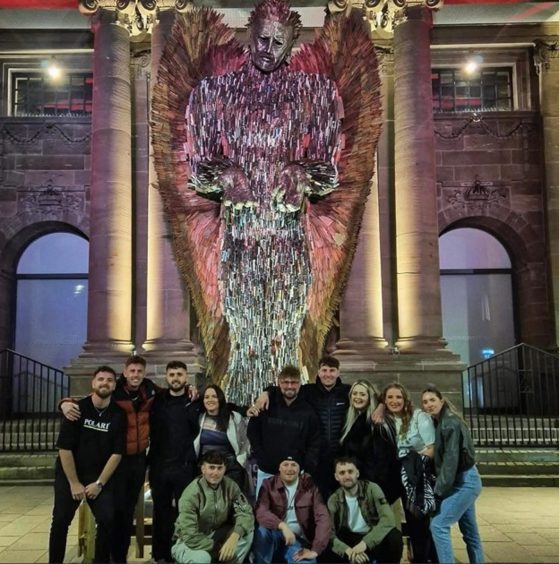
{"x": 385, "y": 57}
{"x": 545, "y": 53}
{"x": 384, "y": 15}
{"x": 138, "y": 16}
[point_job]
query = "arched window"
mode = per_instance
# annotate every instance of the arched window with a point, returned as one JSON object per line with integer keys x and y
{"x": 51, "y": 305}
{"x": 476, "y": 294}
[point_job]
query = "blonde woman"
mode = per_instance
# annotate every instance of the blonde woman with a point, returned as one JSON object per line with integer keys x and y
{"x": 372, "y": 446}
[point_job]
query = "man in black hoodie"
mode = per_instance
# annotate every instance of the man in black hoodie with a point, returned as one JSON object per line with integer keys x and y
{"x": 329, "y": 398}
{"x": 290, "y": 425}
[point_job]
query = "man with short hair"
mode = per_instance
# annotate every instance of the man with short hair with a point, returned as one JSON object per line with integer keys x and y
{"x": 362, "y": 519}
{"x": 135, "y": 395}
{"x": 89, "y": 451}
{"x": 215, "y": 522}
{"x": 329, "y": 397}
{"x": 171, "y": 459}
{"x": 289, "y": 426}
{"x": 294, "y": 525}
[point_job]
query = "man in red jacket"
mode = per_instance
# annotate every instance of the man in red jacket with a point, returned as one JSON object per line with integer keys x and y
{"x": 134, "y": 394}
{"x": 294, "y": 524}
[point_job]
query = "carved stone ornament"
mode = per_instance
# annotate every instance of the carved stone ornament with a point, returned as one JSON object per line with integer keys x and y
{"x": 383, "y": 15}
{"x": 544, "y": 52}
{"x": 49, "y": 199}
{"x": 476, "y": 197}
{"x": 138, "y": 16}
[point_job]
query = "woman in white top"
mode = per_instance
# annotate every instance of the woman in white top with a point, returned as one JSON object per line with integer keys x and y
{"x": 415, "y": 433}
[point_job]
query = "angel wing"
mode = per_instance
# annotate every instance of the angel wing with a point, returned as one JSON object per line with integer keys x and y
{"x": 200, "y": 46}
{"x": 343, "y": 52}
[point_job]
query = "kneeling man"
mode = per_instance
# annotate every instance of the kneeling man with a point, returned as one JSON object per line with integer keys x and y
{"x": 294, "y": 525}
{"x": 363, "y": 521}
{"x": 215, "y": 522}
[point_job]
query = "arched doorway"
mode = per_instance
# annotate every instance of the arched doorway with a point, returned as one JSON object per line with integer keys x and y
{"x": 51, "y": 304}
{"x": 476, "y": 294}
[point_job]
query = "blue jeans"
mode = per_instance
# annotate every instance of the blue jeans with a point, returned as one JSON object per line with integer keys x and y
{"x": 269, "y": 546}
{"x": 459, "y": 507}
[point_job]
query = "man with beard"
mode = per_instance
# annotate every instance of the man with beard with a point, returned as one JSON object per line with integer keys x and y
{"x": 364, "y": 529}
{"x": 89, "y": 450}
{"x": 171, "y": 457}
{"x": 135, "y": 394}
{"x": 329, "y": 397}
{"x": 289, "y": 426}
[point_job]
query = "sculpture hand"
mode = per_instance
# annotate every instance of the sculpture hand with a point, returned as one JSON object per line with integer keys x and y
{"x": 293, "y": 181}
{"x": 236, "y": 189}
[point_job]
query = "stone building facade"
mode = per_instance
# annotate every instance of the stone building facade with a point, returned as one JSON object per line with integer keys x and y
{"x": 494, "y": 171}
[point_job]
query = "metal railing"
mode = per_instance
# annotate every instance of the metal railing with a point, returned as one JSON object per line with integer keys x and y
{"x": 29, "y": 395}
{"x": 512, "y": 398}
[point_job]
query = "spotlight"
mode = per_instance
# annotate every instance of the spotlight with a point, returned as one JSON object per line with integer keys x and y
{"x": 472, "y": 64}
{"x": 54, "y": 70}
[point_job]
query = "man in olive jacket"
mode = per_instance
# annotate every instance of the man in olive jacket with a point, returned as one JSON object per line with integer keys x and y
{"x": 363, "y": 522}
{"x": 215, "y": 522}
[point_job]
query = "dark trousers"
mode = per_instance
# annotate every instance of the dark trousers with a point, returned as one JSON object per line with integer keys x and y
{"x": 167, "y": 484}
{"x": 63, "y": 513}
{"x": 389, "y": 550}
{"x": 323, "y": 476}
{"x": 129, "y": 479}
{"x": 422, "y": 544}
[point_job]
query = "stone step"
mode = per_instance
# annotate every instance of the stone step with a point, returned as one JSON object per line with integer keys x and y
{"x": 23, "y": 474}
{"x": 521, "y": 481}
{"x": 492, "y": 454}
{"x": 520, "y": 468}
{"x": 19, "y": 459}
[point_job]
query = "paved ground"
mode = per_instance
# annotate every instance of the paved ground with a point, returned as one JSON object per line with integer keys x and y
{"x": 517, "y": 525}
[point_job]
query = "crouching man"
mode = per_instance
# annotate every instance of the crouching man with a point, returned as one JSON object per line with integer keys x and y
{"x": 363, "y": 521}
{"x": 294, "y": 525}
{"x": 215, "y": 522}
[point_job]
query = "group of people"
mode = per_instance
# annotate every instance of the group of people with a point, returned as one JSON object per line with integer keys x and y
{"x": 333, "y": 463}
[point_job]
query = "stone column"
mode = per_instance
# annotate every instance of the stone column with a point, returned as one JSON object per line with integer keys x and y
{"x": 547, "y": 61}
{"x": 109, "y": 327}
{"x": 168, "y": 306}
{"x": 361, "y": 311}
{"x": 417, "y": 245}
{"x": 361, "y": 320}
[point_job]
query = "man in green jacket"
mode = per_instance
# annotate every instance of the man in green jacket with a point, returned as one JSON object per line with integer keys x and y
{"x": 215, "y": 522}
{"x": 363, "y": 522}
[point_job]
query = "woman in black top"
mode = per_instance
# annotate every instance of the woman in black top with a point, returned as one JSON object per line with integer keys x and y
{"x": 222, "y": 428}
{"x": 373, "y": 446}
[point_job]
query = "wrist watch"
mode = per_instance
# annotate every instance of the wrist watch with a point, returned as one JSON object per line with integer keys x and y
{"x": 99, "y": 483}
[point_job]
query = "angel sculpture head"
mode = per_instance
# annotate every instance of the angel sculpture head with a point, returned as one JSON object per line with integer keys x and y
{"x": 273, "y": 30}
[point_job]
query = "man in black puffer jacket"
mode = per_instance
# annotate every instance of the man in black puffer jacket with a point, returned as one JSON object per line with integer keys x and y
{"x": 290, "y": 425}
{"x": 329, "y": 398}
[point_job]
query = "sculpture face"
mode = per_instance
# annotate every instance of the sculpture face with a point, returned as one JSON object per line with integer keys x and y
{"x": 270, "y": 44}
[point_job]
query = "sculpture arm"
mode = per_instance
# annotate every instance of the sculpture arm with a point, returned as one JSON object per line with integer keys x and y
{"x": 315, "y": 174}
{"x": 212, "y": 172}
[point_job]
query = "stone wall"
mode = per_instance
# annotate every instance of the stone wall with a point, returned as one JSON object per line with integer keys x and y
{"x": 44, "y": 187}
{"x": 490, "y": 176}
